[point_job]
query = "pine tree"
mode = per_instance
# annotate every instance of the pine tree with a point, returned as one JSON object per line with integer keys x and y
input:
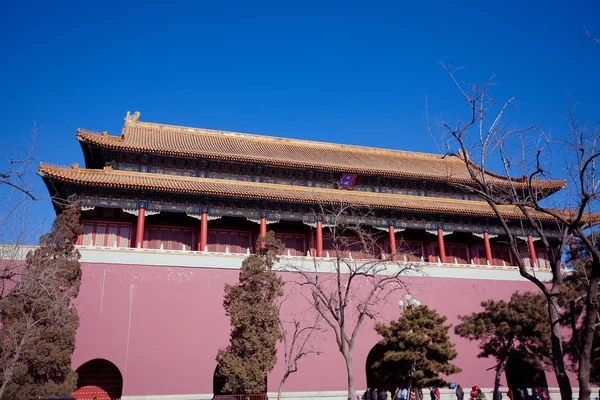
{"x": 38, "y": 318}
{"x": 417, "y": 349}
{"x": 251, "y": 305}
{"x": 519, "y": 327}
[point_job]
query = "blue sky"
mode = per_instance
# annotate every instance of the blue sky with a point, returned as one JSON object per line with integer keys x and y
{"x": 350, "y": 72}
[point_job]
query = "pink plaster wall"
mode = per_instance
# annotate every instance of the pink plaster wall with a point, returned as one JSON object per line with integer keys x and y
{"x": 162, "y": 326}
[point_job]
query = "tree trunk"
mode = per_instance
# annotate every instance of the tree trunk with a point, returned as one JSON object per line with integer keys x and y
{"x": 499, "y": 370}
{"x": 9, "y": 371}
{"x": 587, "y": 336}
{"x": 283, "y": 379}
{"x": 349, "y": 369}
{"x": 564, "y": 383}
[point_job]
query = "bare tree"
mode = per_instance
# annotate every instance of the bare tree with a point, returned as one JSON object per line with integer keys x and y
{"x": 483, "y": 138}
{"x": 593, "y": 37}
{"x": 351, "y": 283}
{"x": 14, "y": 172}
{"x": 297, "y": 343}
{"x": 16, "y": 195}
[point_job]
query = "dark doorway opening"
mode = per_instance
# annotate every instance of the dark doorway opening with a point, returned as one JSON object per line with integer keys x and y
{"x": 523, "y": 373}
{"x": 101, "y": 373}
{"x": 373, "y": 381}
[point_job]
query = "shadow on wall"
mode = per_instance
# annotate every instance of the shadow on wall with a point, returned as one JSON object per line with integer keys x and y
{"x": 103, "y": 374}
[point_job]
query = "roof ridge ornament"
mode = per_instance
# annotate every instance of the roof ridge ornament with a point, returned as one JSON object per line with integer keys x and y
{"x": 131, "y": 119}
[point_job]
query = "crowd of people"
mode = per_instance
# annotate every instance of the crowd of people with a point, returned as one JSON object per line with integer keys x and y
{"x": 374, "y": 394}
{"x": 475, "y": 394}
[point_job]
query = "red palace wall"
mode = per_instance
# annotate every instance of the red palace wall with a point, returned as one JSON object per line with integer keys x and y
{"x": 162, "y": 326}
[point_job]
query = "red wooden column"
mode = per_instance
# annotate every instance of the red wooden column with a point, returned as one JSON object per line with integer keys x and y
{"x": 532, "y": 255}
{"x": 139, "y": 236}
{"x": 442, "y": 250}
{"x": 392, "y": 242}
{"x": 263, "y": 229}
{"x": 488, "y": 248}
{"x": 319, "y": 238}
{"x": 203, "y": 231}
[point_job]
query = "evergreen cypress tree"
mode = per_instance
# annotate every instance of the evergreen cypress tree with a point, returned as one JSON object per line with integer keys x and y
{"x": 251, "y": 305}
{"x": 38, "y": 318}
{"x": 417, "y": 349}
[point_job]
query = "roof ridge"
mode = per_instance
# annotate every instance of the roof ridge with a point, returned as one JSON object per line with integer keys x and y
{"x": 85, "y": 132}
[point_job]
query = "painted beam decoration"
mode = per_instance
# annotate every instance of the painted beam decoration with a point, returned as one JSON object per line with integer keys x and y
{"x": 308, "y": 218}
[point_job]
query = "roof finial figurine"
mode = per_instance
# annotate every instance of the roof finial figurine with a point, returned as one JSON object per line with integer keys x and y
{"x": 129, "y": 118}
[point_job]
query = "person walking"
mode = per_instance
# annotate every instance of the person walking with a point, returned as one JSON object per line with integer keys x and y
{"x": 404, "y": 394}
{"x": 367, "y": 394}
{"x": 460, "y": 393}
{"x": 383, "y": 395}
{"x": 374, "y": 395}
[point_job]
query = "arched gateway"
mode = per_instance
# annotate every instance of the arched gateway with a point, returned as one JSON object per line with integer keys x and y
{"x": 103, "y": 374}
{"x": 373, "y": 381}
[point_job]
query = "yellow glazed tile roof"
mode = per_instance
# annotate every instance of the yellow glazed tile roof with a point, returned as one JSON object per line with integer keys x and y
{"x": 180, "y": 141}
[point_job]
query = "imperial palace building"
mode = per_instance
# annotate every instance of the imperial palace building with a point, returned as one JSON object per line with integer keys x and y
{"x": 170, "y": 213}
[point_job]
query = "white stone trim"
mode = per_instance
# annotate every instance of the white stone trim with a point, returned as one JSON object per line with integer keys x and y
{"x": 202, "y": 259}
{"x": 195, "y": 259}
